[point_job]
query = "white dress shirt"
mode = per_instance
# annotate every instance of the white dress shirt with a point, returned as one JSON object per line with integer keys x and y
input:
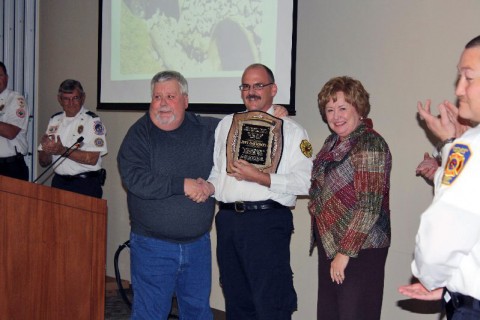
{"x": 447, "y": 251}
{"x": 291, "y": 179}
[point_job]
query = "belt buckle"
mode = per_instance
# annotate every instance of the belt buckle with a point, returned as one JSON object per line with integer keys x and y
{"x": 239, "y": 206}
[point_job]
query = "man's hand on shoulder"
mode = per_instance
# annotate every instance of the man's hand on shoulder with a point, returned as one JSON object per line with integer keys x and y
{"x": 279, "y": 111}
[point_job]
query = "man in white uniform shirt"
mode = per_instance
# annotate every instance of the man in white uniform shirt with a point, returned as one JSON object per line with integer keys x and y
{"x": 13, "y": 130}
{"x": 447, "y": 251}
{"x": 255, "y": 223}
{"x": 80, "y": 169}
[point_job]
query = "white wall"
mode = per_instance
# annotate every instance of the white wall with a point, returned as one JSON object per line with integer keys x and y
{"x": 402, "y": 51}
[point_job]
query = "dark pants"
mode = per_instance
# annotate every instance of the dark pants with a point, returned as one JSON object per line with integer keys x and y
{"x": 253, "y": 252}
{"x": 360, "y": 296}
{"x": 14, "y": 167}
{"x": 90, "y": 186}
{"x": 462, "y": 307}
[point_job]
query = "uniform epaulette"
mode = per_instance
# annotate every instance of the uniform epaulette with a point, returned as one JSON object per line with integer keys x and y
{"x": 92, "y": 114}
{"x": 56, "y": 114}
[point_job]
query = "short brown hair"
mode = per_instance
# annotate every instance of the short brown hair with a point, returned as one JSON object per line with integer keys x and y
{"x": 354, "y": 92}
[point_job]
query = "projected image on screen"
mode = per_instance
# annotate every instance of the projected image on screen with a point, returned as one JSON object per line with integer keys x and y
{"x": 197, "y": 37}
{"x": 209, "y": 41}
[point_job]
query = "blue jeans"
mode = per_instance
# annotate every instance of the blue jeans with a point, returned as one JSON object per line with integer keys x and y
{"x": 161, "y": 268}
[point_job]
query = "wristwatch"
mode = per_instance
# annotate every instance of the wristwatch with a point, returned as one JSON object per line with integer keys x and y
{"x": 437, "y": 154}
{"x": 442, "y": 144}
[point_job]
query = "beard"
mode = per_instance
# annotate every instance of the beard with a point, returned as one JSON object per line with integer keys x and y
{"x": 164, "y": 121}
{"x": 160, "y": 116}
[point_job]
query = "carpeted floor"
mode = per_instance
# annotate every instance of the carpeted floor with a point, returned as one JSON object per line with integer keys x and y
{"x": 117, "y": 309}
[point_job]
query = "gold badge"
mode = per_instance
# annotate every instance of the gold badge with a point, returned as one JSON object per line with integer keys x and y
{"x": 21, "y": 102}
{"x": 80, "y": 129}
{"x": 306, "y": 148}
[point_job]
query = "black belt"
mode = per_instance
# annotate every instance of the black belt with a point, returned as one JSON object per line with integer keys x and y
{"x": 83, "y": 175}
{"x": 460, "y": 300}
{"x": 11, "y": 159}
{"x": 242, "y": 206}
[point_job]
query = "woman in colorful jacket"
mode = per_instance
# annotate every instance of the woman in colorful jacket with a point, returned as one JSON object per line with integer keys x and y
{"x": 349, "y": 205}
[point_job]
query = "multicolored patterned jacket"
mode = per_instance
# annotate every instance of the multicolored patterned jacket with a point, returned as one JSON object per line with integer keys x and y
{"x": 350, "y": 192}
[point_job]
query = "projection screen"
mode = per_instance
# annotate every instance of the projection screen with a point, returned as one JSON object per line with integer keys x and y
{"x": 209, "y": 41}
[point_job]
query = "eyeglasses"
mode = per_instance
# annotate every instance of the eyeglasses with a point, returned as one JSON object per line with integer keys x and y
{"x": 255, "y": 86}
{"x": 74, "y": 99}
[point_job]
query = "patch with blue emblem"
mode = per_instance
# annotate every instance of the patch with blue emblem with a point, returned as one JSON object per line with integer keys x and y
{"x": 99, "y": 128}
{"x": 99, "y": 142}
{"x": 457, "y": 160}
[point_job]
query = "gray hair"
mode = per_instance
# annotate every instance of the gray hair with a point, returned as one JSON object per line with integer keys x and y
{"x": 167, "y": 75}
{"x": 69, "y": 85}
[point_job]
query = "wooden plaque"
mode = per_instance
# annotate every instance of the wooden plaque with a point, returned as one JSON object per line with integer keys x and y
{"x": 256, "y": 137}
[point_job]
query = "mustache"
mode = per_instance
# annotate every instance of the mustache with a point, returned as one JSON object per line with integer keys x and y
{"x": 164, "y": 109}
{"x": 253, "y": 96}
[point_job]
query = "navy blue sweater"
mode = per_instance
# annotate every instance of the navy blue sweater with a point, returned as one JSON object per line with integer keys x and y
{"x": 153, "y": 164}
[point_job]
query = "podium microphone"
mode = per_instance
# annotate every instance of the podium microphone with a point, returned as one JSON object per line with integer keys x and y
{"x": 79, "y": 140}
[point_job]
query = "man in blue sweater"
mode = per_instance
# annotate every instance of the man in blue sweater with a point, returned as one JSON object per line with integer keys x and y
{"x": 162, "y": 161}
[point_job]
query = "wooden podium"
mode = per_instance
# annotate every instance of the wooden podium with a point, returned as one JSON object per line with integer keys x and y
{"x": 52, "y": 253}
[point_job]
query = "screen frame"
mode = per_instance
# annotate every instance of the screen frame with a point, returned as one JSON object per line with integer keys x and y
{"x": 206, "y": 108}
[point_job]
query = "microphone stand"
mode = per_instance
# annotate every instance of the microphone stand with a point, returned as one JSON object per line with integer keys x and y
{"x": 79, "y": 140}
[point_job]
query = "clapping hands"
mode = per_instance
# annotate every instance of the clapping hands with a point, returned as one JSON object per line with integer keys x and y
{"x": 52, "y": 146}
{"x": 447, "y": 124}
{"x": 427, "y": 167}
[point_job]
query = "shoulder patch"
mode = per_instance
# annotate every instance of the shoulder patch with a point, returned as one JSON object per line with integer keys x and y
{"x": 21, "y": 112}
{"x": 99, "y": 142}
{"x": 21, "y": 102}
{"x": 457, "y": 160}
{"x": 92, "y": 114}
{"x": 306, "y": 148}
{"x": 98, "y": 128}
{"x": 56, "y": 114}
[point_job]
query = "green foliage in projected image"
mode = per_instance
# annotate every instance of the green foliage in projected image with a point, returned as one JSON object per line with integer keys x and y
{"x": 135, "y": 45}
